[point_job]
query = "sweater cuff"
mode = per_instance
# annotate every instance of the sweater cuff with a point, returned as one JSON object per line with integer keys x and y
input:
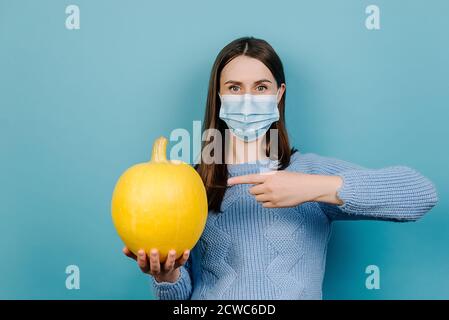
{"x": 178, "y": 290}
{"x": 347, "y": 192}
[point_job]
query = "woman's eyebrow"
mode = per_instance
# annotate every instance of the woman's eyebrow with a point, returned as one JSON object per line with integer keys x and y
{"x": 256, "y": 82}
{"x": 263, "y": 80}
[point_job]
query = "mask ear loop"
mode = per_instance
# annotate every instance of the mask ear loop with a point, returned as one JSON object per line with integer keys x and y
{"x": 277, "y": 93}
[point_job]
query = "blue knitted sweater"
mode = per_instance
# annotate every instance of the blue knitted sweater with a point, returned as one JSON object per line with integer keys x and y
{"x": 251, "y": 252}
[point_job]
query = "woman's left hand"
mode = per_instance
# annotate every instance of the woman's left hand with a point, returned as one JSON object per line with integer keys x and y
{"x": 276, "y": 189}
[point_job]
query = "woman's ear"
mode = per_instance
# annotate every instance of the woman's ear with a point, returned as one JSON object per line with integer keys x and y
{"x": 281, "y": 91}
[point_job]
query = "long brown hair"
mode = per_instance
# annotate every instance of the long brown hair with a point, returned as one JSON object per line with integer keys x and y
{"x": 215, "y": 175}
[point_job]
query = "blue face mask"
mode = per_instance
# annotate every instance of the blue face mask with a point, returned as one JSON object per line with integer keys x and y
{"x": 249, "y": 116}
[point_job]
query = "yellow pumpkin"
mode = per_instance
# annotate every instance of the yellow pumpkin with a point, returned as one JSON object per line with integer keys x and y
{"x": 160, "y": 204}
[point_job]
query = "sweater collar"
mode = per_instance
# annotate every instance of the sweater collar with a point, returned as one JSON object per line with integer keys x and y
{"x": 257, "y": 166}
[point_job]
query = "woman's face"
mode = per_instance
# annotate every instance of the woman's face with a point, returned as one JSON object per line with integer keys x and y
{"x": 246, "y": 75}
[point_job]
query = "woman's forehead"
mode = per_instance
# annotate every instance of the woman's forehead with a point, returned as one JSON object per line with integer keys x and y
{"x": 245, "y": 69}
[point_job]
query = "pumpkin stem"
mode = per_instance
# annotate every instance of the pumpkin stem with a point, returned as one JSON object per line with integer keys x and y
{"x": 159, "y": 153}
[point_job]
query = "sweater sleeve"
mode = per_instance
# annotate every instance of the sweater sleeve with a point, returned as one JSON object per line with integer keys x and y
{"x": 395, "y": 193}
{"x": 181, "y": 289}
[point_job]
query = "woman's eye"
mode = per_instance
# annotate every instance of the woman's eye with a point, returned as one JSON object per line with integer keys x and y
{"x": 234, "y": 88}
{"x": 261, "y": 88}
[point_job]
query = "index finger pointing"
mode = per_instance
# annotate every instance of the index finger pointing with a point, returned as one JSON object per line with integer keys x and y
{"x": 249, "y": 178}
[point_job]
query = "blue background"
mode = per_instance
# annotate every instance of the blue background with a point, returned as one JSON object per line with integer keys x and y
{"x": 78, "y": 107}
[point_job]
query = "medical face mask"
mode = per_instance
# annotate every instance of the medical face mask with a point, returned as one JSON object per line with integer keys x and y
{"x": 249, "y": 116}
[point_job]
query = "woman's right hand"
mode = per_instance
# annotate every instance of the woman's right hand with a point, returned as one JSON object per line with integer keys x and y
{"x": 162, "y": 272}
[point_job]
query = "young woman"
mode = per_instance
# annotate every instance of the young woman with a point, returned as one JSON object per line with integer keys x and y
{"x": 266, "y": 234}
